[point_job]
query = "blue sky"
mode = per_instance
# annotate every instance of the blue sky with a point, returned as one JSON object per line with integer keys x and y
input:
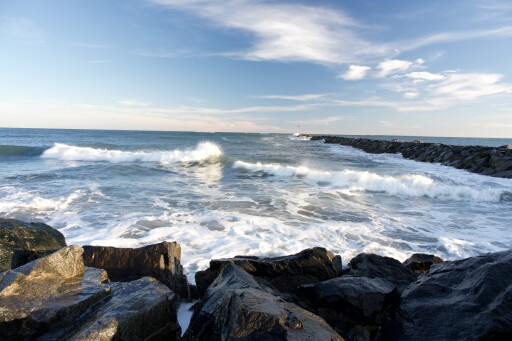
{"x": 398, "y": 67}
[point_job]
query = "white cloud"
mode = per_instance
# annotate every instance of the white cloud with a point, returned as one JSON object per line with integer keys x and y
{"x": 469, "y": 86}
{"x": 393, "y": 66}
{"x": 424, "y": 75}
{"x": 301, "y": 98}
{"x": 411, "y": 95}
{"x": 447, "y": 37}
{"x": 22, "y": 29}
{"x": 287, "y": 32}
{"x": 355, "y": 72}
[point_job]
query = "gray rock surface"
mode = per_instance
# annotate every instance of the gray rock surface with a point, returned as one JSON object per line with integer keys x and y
{"x": 375, "y": 266}
{"x": 134, "y": 311}
{"x": 236, "y": 307}
{"x": 356, "y": 307}
{"x": 468, "y": 299}
{"x": 285, "y": 273}
{"x": 17, "y": 236}
{"x": 161, "y": 261}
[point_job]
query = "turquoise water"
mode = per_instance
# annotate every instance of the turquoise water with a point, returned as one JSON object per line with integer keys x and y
{"x": 223, "y": 194}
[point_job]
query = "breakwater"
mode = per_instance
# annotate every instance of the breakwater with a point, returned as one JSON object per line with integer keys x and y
{"x": 492, "y": 161}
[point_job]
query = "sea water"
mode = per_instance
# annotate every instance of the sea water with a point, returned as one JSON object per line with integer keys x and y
{"x": 226, "y": 194}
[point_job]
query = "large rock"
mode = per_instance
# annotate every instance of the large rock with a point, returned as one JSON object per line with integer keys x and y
{"x": 161, "y": 261}
{"x": 356, "y": 307}
{"x": 57, "y": 298}
{"x": 285, "y": 273}
{"x": 17, "y": 236}
{"x": 236, "y": 307}
{"x": 421, "y": 262}
{"x": 469, "y": 299}
{"x": 375, "y": 266}
{"x": 47, "y": 292}
{"x": 134, "y": 311}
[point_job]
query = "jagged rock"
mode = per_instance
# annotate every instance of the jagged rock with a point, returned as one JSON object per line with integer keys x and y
{"x": 56, "y": 298}
{"x": 136, "y": 310}
{"x": 18, "y": 236}
{"x": 469, "y": 299}
{"x": 355, "y": 307}
{"x": 49, "y": 291}
{"x": 161, "y": 261}
{"x": 236, "y": 307}
{"x": 375, "y": 266}
{"x": 420, "y": 262}
{"x": 285, "y": 273}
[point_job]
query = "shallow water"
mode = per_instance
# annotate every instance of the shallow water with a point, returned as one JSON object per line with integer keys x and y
{"x": 222, "y": 194}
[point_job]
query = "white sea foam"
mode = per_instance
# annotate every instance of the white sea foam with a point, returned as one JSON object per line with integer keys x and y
{"x": 203, "y": 151}
{"x": 414, "y": 185}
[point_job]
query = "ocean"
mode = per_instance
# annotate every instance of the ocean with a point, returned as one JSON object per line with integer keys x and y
{"x": 227, "y": 194}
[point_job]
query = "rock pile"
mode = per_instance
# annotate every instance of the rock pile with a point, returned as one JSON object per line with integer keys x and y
{"x": 477, "y": 159}
{"x": 132, "y": 294}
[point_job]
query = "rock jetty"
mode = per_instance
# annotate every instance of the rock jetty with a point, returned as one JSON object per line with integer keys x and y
{"x": 107, "y": 293}
{"x": 493, "y": 161}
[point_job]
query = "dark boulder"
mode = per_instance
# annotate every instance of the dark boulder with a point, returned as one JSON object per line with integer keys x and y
{"x": 284, "y": 273}
{"x": 236, "y": 307}
{"x": 469, "y": 299}
{"x": 355, "y": 307}
{"x": 420, "y": 262}
{"x": 137, "y": 310}
{"x": 17, "y": 236}
{"x": 161, "y": 261}
{"x": 375, "y": 266}
{"x": 57, "y": 298}
{"x": 48, "y": 291}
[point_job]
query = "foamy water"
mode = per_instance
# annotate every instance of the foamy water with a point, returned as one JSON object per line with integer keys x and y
{"x": 220, "y": 195}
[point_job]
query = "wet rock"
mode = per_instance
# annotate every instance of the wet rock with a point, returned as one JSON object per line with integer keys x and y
{"x": 469, "y": 299}
{"x": 236, "y": 307}
{"x": 16, "y": 236}
{"x": 420, "y": 262}
{"x": 284, "y": 273}
{"x": 47, "y": 292}
{"x": 134, "y": 311}
{"x": 161, "y": 261}
{"x": 355, "y": 307}
{"x": 375, "y": 266}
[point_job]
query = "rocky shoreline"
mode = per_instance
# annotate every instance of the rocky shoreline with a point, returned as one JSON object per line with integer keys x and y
{"x": 61, "y": 292}
{"x": 490, "y": 161}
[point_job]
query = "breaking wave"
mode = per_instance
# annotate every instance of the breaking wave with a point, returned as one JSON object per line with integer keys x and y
{"x": 413, "y": 185}
{"x": 203, "y": 151}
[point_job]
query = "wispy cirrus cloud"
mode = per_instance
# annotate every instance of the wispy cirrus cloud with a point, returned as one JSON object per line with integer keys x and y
{"x": 23, "y": 30}
{"x": 287, "y": 31}
{"x": 300, "y": 98}
{"x": 320, "y": 121}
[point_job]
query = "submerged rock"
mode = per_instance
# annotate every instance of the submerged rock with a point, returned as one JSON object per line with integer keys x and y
{"x": 236, "y": 307}
{"x": 161, "y": 261}
{"x": 17, "y": 236}
{"x": 421, "y": 263}
{"x": 356, "y": 307}
{"x": 375, "y": 266}
{"x": 285, "y": 273}
{"x": 469, "y": 299}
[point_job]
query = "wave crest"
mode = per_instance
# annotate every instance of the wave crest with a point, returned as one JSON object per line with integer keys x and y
{"x": 413, "y": 185}
{"x": 203, "y": 151}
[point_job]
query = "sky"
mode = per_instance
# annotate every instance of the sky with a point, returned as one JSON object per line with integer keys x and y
{"x": 400, "y": 67}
